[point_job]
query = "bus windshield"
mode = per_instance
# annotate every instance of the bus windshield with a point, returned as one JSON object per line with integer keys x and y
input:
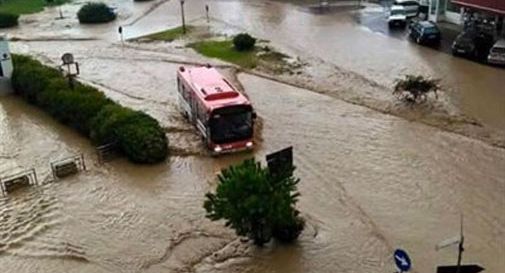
{"x": 231, "y": 124}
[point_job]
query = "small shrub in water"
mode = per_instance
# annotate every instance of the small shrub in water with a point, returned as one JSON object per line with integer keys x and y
{"x": 93, "y": 13}
{"x": 244, "y": 42}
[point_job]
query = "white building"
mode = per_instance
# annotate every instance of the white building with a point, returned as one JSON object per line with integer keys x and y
{"x": 444, "y": 10}
{"x": 5, "y": 66}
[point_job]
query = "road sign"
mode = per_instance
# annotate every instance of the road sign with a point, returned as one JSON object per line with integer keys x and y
{"x": 280, "y": 162}
{"x": 67, "y": 58}
{"x": 402, "y": 260}
{"x": 468, "y": 268}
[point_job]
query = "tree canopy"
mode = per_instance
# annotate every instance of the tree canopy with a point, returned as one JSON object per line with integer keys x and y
{"x": 256, "y": 203}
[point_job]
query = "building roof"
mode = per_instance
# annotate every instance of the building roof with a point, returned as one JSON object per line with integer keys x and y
{"x": 427, "y": 24}
{"x": 397, "y": 7}
{"x": 493, "y": 6}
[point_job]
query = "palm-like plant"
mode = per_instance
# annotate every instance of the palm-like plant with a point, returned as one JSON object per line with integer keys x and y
{"x": 415, "y": 89}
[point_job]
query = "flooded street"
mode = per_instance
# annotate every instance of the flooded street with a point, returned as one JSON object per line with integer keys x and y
{"x": 355, "y": 52}
{"x": 370, "y": 182}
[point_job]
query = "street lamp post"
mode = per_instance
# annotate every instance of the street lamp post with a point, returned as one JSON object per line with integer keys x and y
{"x": 182, "y": 15}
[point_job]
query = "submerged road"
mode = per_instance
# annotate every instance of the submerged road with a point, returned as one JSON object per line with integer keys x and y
{"x": 336, "y": 38}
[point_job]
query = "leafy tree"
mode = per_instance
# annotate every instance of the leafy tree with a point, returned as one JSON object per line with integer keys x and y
{"x": 414, "y": 89}
{"x": 256, "y": 203}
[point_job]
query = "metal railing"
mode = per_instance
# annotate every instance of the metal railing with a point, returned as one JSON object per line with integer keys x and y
{"x": 18, "y": 180}
{"x": 68, "y": 166}
{"x": 107, "y": 152}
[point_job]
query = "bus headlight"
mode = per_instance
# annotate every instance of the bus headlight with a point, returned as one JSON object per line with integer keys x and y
{"x": 218, "y": 149}
{"x": 249, "y": 144}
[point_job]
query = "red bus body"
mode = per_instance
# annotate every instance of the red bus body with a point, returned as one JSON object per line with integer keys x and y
{"x": 222, "y": 115}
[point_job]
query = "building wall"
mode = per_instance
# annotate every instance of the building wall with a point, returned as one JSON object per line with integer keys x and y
{"x": 445, "y": 10}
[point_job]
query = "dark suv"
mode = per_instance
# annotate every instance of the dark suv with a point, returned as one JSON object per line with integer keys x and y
{"x": 425, "y": 32}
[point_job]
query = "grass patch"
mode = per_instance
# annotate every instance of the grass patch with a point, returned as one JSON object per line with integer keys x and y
{"x": 27, "y": 6}
{"x": 168, "y": 35}
{"x": 261, "y": 57}
{"x": 225, "y": 51}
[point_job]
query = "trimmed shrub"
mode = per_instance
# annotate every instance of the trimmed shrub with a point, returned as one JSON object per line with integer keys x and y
{"x": 107, "y": 122}
{"x": 73, "y": 107}
{"x": 138, "y": 135}
{"x": 244, "y": 42}
{"x": 142, "y": 139}
{"x": 93, "y": 13}
{"x": 8, "y": 20}
{"x": 30, "y": 77}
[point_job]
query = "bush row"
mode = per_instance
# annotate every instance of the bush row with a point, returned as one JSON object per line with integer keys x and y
{"x": 8, "y": 20}
{"x": 138, "y": 135}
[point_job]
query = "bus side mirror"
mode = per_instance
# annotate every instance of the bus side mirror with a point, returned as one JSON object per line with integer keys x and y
{"x": 254, "y": 115}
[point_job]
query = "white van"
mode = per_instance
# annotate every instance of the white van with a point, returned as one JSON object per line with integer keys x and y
{"x": 411, "y": 6}
{"x": 497, "y": 53}
{"x": 397, "y": 16}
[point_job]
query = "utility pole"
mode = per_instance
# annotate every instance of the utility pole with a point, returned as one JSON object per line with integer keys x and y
{"x": 120, "y": 30}
{"x": 207, "y": 13}
{"x": 183, "y": 20}
{"x": 460, "y": 247}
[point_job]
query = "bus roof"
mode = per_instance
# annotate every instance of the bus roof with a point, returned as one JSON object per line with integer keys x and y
{"x": 211, "y": 87}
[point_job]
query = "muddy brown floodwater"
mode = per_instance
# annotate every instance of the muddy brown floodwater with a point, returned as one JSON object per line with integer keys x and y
{"x": 370, "y": 182}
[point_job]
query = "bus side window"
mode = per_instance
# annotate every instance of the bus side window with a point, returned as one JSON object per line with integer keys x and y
{"x": 201, "y": 113}
{"x": 185, "y": 93}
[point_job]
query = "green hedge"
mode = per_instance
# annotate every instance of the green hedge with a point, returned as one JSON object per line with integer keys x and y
{"x": 93, "y": 13}
{"x": 8, "y": 19}
{"x": 138, "y": 135}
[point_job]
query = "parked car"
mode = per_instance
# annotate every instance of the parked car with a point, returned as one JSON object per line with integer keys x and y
{"x": 497, "y": 53}
{"x": 483, "y": 44}
{"x": 464, "y": 44}
{"x": 425, "y": 32}
{"x": 397, "y": 16}
{"x": 411, "y": 6}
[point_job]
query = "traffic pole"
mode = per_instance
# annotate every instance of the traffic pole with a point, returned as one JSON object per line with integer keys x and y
{"x": 183, "y": 19}
{"x": 207, "y": 13}
{"x": 120, "y": 30}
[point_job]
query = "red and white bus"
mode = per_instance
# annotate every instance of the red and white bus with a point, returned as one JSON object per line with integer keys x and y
{"x": 222, "y": 115}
